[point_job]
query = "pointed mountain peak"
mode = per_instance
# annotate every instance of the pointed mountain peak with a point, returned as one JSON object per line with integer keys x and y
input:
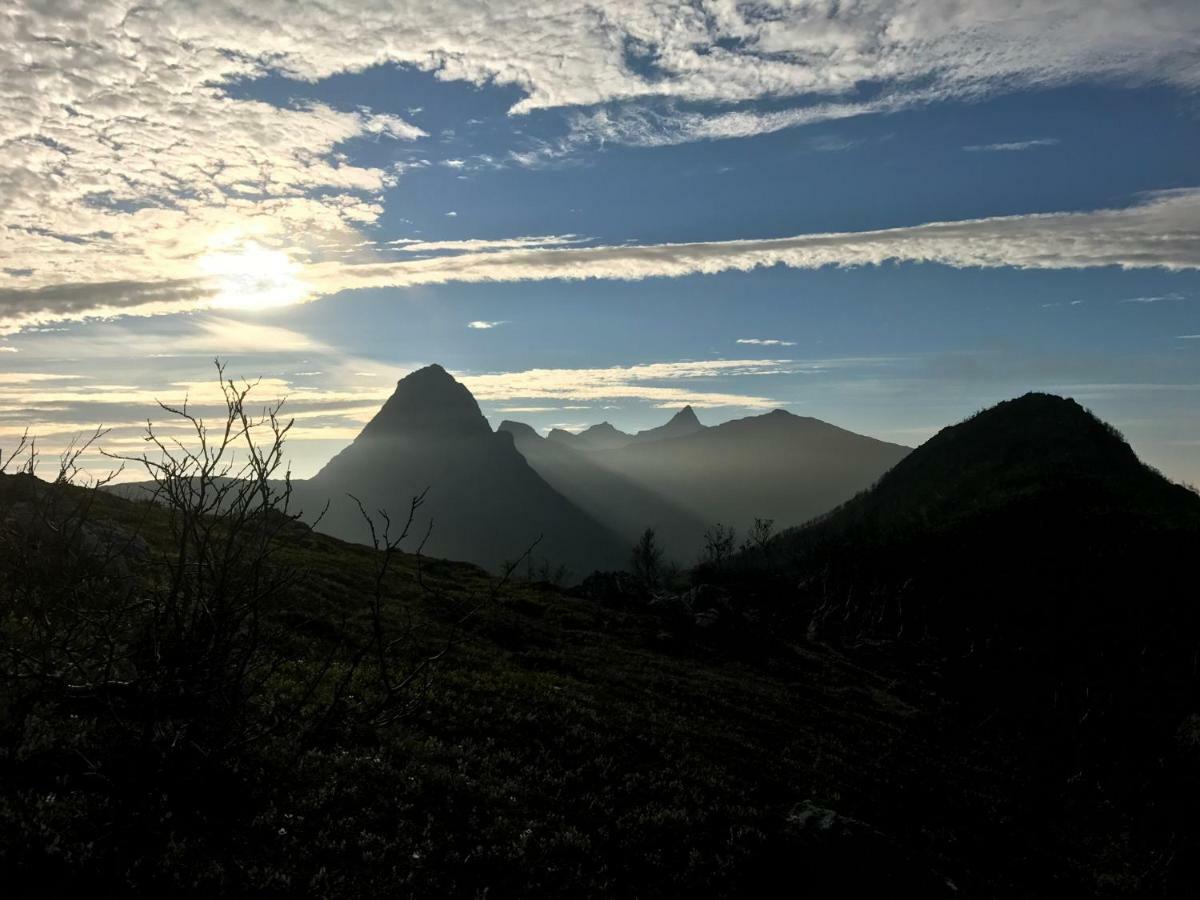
{"x": 682, "y": 424}
{"x": 428, "y": 401}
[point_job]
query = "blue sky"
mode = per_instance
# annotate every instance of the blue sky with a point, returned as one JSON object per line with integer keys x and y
{"x": 975, "y": 203}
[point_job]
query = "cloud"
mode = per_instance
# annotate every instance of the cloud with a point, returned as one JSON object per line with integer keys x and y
{"x": 653, "y": 382}
{"x": 481, "y": 325}
{"x": 128, "y": 153}
{"x": 1188, "y": 337}
{"x": 766, "y": 342}
{"x": 1161, "y": 231}
{"x": 1159, "y": 298}
{"x": 411, "y": 245}
{"x": 452, "y": 214}
{"x": 1011, "y": 146}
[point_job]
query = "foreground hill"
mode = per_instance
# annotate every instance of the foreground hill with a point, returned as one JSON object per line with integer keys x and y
{"x": 1031, "y": 519}
{"x": 775, "y": 466}
{"x": 1031, "y": 559}
{"x": 556, "y": 747}
{"x": 485, "y": 502}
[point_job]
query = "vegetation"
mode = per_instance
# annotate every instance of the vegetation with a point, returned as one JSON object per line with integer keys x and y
{"x": 202, "y": 696}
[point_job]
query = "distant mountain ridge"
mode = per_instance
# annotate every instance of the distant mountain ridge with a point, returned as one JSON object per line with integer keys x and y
{"x": 773, "y": 466}
{"x": 589, "y": 495}
{"x": 620, "y": 503}
{"x": 597, "y": 437}
{"x": 606, "y": 436}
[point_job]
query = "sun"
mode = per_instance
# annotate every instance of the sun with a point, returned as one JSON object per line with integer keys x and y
{"x": 254, "y": 277}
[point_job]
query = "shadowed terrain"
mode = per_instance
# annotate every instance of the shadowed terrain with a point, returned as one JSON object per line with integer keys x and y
{"x": 975, "y": 679}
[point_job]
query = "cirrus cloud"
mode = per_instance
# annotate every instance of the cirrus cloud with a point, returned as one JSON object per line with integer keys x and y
{"x": 1162, "y": 231}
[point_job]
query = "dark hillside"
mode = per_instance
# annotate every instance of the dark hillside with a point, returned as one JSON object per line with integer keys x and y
{"x": 558, "y": 748}
{"x": 1028, "y": 557}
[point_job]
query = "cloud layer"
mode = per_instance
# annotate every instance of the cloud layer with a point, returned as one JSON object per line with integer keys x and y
{"x": 128, "y": 156}
{"x": 1162, "y": 231}
{"x": 653, "y": 382}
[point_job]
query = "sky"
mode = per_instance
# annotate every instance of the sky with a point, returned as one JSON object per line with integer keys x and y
{"x": 887, "y": 214}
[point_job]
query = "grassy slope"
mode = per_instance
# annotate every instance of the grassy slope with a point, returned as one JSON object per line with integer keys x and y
{"x": 569, "y": 748}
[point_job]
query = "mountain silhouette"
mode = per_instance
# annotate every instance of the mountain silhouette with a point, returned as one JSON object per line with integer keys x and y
{"x": 607, "y": 437}
{"x": 623, "y": 505}
{"x": 778, "y": 466}
{"x": 1030, "y": 551}
{"x": 485, "y": 502}
{"x": 682, "y": 424}
{"x": 598, "y": 437}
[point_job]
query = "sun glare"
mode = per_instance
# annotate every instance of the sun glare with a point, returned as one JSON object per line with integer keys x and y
{"x": 254, "y": 277}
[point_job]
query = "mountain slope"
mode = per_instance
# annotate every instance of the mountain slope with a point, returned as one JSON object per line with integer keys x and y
{"x": 557, "y": 746}
{"x": 778, "y": 466}
{"x": 485, "y": 502}
{"x": 1030, "y": 554}
{"x": 612, "y": 499}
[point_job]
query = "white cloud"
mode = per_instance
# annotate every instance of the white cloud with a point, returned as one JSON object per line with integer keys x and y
{"x": 1162, "y": 231}
{"x": 653, "y": 382}
{"x": 1011, "y": 146}
{"x": 410, "y": 245}
{"x": 766, "y": 342}
{"x": 481, "y": 325}
{"x": 127, "y": 158}
{"x": 1157, "y": 298}
{"x": 452, "y": 214}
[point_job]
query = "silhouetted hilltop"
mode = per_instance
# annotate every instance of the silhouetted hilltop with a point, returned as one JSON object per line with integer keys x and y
{"x": 1030, "y": 550}
{"x": 682, "y": 424}
{"x": 1035, "y": 443}
{"x": 485, "y": 502}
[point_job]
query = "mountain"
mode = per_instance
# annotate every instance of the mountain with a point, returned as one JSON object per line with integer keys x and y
{"x": 485, "y": 502}
{"x": 682, "y": 424}
{"x": 598, "y": 437}
{"x": 778, "y": 466}
{"x": 621, "y": 504}
{"x": 1028, "y": 552}
{"x": 1022, "y": 500}
{"x": 607, "y": 437}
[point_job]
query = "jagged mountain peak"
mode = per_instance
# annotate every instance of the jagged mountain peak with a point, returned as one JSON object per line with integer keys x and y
{"x": 683, "y": 423}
